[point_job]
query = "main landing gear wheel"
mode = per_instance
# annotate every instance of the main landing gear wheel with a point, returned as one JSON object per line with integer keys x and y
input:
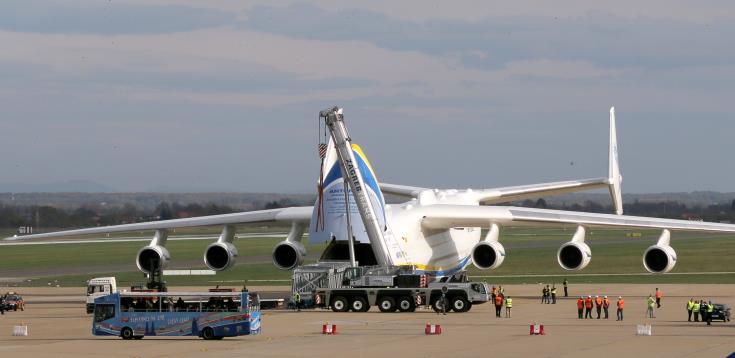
{"x": 387, "y": 304}
{"x": 405, "y": 304}
{"x": 359, "y": 304}
{"x": 339, "y": 304}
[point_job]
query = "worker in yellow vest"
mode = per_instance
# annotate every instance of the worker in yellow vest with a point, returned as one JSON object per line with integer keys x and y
{"x": 508, "y": 306}
{"x": 690, "y": 308}
{"x": 651, "y": 304}
{"x": 695, "y": 310}
{"x": 710, "y": 310}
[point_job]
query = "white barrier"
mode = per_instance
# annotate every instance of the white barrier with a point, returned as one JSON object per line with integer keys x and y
{"x": 643, "y": 330}
{"x": 20, "y": 331}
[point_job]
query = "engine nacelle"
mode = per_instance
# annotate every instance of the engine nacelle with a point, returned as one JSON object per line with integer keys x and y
{"x": 574, "y": 256}
{"x": 220, "y": 255}
{"x": 152, "y": 257}
{"x": 488, "y": 255}
{"x": 659, "y": 258}
{"x": 288, "y": 254}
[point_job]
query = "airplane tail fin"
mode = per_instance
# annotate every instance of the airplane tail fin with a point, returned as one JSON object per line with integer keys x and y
{"x": 329, "y": 209}
{"x": 614, "y": 167}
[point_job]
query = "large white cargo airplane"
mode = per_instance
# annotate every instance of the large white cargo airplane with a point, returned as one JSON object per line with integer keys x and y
{"x": 437, "y": 231}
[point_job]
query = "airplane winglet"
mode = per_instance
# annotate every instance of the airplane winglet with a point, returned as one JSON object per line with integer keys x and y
{"x": 614, "y": 167}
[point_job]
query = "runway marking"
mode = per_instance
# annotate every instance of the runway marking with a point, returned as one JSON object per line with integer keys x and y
{"x": 612, "y": 274}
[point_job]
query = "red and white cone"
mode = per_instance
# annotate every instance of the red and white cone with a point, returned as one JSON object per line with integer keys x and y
{"x": 329, "y": 328}
{"x": 433, "y": 329}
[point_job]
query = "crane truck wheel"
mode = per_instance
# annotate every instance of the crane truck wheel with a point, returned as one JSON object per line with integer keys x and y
{"x": 339, "y": 304}
{"x": 405, "y": 304}
{"x": 359, "y": 304}
{"x": 459, "y": 304}
{"x": 437, "y": 305}
{"x": 387, "y": 304}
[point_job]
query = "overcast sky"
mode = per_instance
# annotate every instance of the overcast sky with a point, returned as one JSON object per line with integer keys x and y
{"x": 224, "y": 95}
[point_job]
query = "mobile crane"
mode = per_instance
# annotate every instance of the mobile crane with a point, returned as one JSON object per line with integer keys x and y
{"x": 393, "y": 284}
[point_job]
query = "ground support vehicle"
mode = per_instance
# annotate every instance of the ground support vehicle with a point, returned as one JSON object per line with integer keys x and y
{"x": 98, "y": 287}
{"x": 390, "y": 289}
{"x": 721, "y": 312}
{"x": 14, "y": 301}
{"x": 209, "y": 315}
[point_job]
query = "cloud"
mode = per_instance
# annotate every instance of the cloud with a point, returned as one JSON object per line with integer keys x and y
{"x": 493, "y": 42}
{"x": 107, "y": 17}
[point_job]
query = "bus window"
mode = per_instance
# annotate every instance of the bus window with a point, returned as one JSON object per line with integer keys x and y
{"x": 103, "y": 312}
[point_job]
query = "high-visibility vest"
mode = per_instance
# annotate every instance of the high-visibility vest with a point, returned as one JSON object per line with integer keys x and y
{"x": 498, "y": 300}
{"x": 621, "y": 303}
{"x": 553, "y": 291}
{"x": 710, "y": 308}
{"x": 651, "y": 302}
{"x": 659, "y": 294}
{"x": 606, "y": 303}
{"x": 598, "y": 301}
{"x": 509, "y": 302}
{"x": 690, "y": 305}
{"x": 297, "y": 297}
{"x": 695, "y": 306}
{"x": 501, "y": 290}
{"x": 588, "y": 303}
{"x": 580, "y": 303}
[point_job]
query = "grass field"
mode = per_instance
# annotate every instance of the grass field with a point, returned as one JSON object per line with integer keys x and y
{"x": 531, "y": 258}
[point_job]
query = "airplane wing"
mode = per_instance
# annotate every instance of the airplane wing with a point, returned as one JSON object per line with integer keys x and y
{"x": 292, "y": 214}
{"x": 449, "y": 216}
{"x": 401, "y": 190}
{"x": 522, "y": 192}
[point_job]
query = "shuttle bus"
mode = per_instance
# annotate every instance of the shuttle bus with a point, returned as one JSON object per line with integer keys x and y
{"x": 209, "y": 315}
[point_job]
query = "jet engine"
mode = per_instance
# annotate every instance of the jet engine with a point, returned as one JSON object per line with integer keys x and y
{"x": 488, "y": 255}
{"x": 575, "y": 255}
{"x": 660, "y": 258}
{"x": 152, "y": 258}
{"x": 288, "y": 254}
{"x": 220, "y": 255}
{"x": 155, "y": 256}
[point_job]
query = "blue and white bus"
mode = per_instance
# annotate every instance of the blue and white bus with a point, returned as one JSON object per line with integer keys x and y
{"x": 210, "y": 315}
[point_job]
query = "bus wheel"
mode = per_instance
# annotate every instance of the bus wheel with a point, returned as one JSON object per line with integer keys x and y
{"x": 339, "y": 304}
{"x": 359, "y": 304}
{"x": 126, "y": 333}
{"x": 405, "y": 304}
{"x": 387, "y": 304}
{"x": 208, "y": 333}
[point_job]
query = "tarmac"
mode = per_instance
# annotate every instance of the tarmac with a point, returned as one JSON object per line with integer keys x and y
{"x": 59, "y": 327}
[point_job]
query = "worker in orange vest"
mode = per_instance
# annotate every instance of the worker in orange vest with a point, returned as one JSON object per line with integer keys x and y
{"x": 580, "y": 307}
{"x": 588, "y": 307}
{"x": 659, "y": 294}
{"x": 621, "y": 305}
{"x": 605, "y": 305}
{"x": 498, "y": 305}
{"x": 598, "y": 305}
